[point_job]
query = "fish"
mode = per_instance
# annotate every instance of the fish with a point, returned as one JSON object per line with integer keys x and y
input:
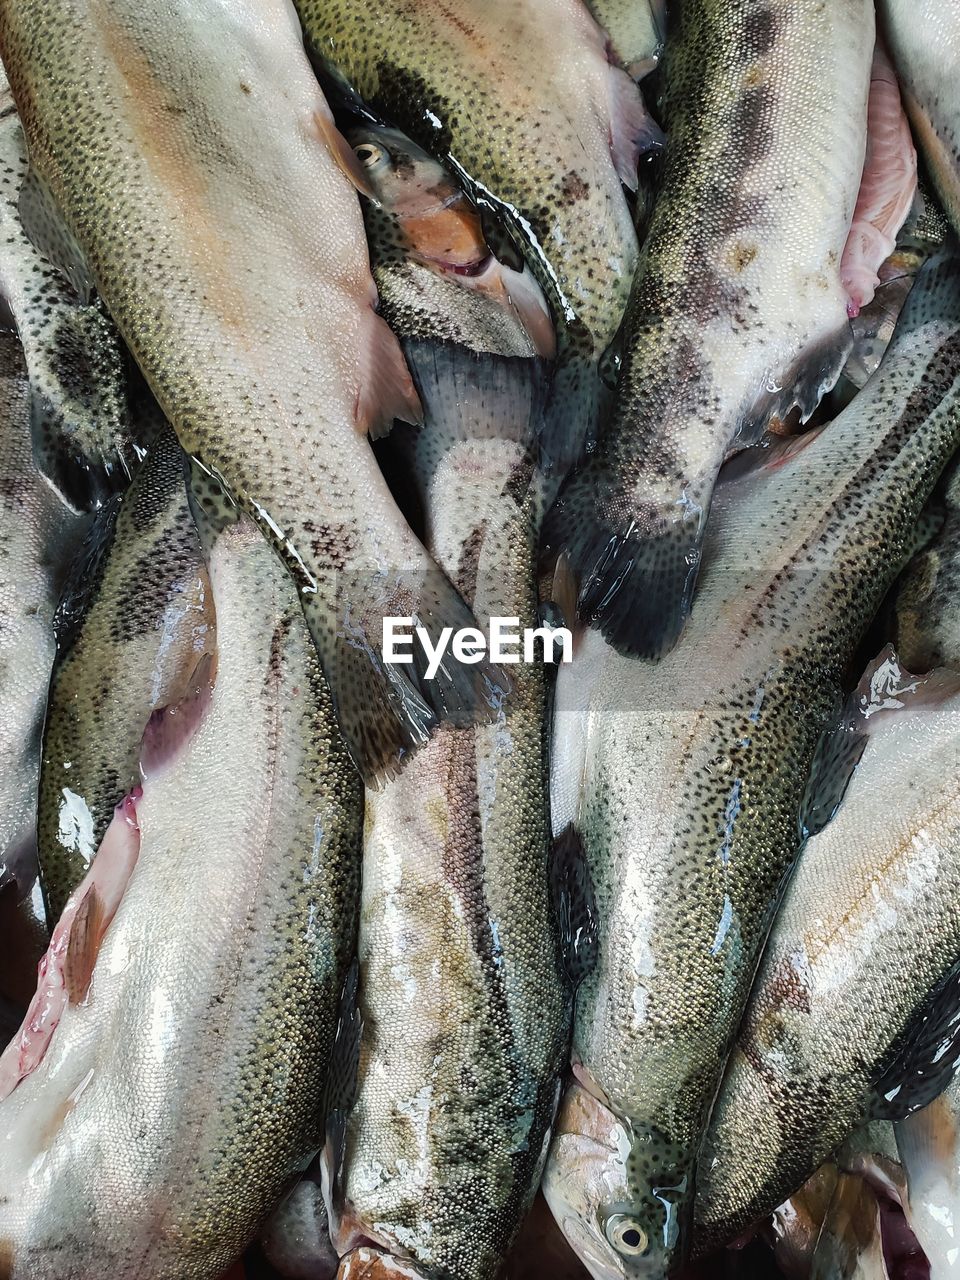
{"x": 83, "y": 436}
{"x": 420, "y": 215}
{"x": 167, "y": 1085}
{"x": 692, "y": 775}
{"x": 927, "y": 610}
{"x": 524, "y": 106}
{"x": 929, "y": 1146}
{"x": 636, "y": 29}
{"x": 199, "y": 171}
{"x": 296, "y": 1238}
{"x": 924, "y": 40}
{"x": 853, "y": 1013}
{"x": 136, "y": 634}
{"x": 463, "y": 998}
{"x": 39, "y": 534}
{"x": 738, "y": 313}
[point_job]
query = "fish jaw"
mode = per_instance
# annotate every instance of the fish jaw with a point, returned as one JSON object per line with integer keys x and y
{"x": 618, "y": 1231}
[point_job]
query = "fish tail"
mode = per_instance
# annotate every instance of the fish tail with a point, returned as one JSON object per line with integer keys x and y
{"x": 637, "y": 571}
{"x": 576, "y": 404}
{"x": 387, "y": 708}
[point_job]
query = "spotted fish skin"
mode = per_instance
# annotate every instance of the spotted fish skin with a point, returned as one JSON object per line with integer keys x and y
{"x": 82, "y": 431}
{"x": 177, "y": 1101}
{"x": 924, "y": 40}
{"x": 38, "y": 535}
{"x": 521, "y": 100}
{"x": 463, "y": 999}
{"x": 928, "y": 601}
{"x": 737, "y": 311}
{"x": 637, "y": 29}
{"x": 688, "y": 851}
{"x": 862, "y": 951}
{"x": 146, "y": 624}
{"x": 198, "y": 167}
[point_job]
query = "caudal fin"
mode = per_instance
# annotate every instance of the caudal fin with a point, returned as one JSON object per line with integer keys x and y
{"x": 636, "y": 571}
{"x": 388, "y": 709}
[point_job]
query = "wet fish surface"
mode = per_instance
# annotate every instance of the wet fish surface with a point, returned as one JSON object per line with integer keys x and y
{"x": 853, "y": 1013}
{"x": 924, "y": 39}
{"x": 637, "y": 30}
{"x": 79, "y": 414}
{"x": 199, "y": 169}
{"x": 687, "y": 852}
{"x": 928, "y": 601}
{"x": 133, "y": 630}
{"x": 543, "y": 142}
{"x": 167, "y": 1084}
{"x": 463, "y": 998}
{"x": 38, "y": 535}
{"x": 738, "y": 313}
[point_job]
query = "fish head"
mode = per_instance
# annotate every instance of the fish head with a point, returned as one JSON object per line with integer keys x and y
{"x": 431, "y": 213}
{"x": 620, "y": 1229}
{"x": 425, "y": 216}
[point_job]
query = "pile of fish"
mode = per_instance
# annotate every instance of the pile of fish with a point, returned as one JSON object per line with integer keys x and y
{"x": 634, "y": 953}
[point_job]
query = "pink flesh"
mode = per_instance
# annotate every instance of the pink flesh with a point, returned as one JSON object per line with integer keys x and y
{"x": 169, "y": 729}
{"x": 108, "y": 876}
{"x": 887, "y": 188}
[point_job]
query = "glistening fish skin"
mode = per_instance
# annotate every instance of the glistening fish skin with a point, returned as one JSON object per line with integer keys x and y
{"x": 178, "y": 1099}
{"x": 929, "y": 1146}
{"x": 924, "y": 39}
{"x": 522, "y": 100}
{"x": 637, "y": 29}
{"x": 737, "y": 311}
{"x": 80, "y": 423}
{"x": 134, "y": 627}
{"x": 694, "y": 771}
{"x": 463, "y": 999}
{"x": 38, "y": 535}
{"x": 928, "y": 602}
{"x": 853, "y": 1013}
{"x": 198, "y": 166}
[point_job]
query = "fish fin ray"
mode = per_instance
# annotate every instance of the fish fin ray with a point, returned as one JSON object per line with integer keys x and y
{"x": 814, "y": 373}
{"x": 344, "y": 155}
{"x": 386, "y": 387}
{"x": 633, "y": 131}
{"x": 635, "y": 587}
{"x": 387, "y": 710}
{"x": 83, "y": 944}
{"x": 925, "y": 1055}
{"x": 47, "y": 230}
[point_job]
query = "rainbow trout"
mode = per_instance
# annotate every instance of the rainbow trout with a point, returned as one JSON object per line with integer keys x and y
{"x": 924, "y": 39}
{"x": 636, "y": 28}
{"x": 167, "y": 1084}
{"x": 135, "y": 634}
{"x": 522, "y": 102}
{"x": 738, "y": 312}
{"x": 199, "y": 169}
{"x": 687, "y": 853}
{"x": 38, "y": 535}
{"x": 81, "y": 427}
{"x": 463, "y": 999}
{"x": 853, "y": 1015}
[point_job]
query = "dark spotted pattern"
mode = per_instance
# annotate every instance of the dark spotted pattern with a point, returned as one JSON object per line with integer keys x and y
{"x": 714, "y": 344}
{"x": 689, "y": 852}
{"x": 127, "y": 648}
{"x": 460, "y": 79}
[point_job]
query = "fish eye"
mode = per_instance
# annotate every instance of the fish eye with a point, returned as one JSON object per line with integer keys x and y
{"x": 626, "y": 1235}
{"x": 369, "y": 154}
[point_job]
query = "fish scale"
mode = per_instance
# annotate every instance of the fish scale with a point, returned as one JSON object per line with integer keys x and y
{"x": 737, "y": 311}
{"x": 530, "y": 136}
{"x": 688, "y": 852}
